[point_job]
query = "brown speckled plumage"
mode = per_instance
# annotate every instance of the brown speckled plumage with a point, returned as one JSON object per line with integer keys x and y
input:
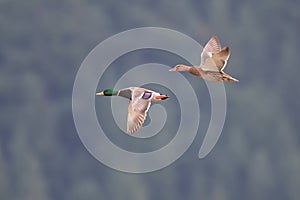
{"x": 213, "y": 61}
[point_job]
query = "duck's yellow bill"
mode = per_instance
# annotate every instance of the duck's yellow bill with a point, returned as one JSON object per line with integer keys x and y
{"x": 100, "y": 94}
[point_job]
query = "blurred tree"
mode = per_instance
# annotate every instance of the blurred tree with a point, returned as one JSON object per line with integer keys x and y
{"x": 42, "y": 44}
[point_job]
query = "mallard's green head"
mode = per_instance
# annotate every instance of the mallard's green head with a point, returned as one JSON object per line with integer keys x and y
{"x": 108, "y": 92}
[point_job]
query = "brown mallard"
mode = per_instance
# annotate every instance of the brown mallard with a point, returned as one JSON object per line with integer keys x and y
{"x": 213, "y": 61}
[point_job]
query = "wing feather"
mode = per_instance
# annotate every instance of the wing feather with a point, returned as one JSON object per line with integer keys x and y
{"x": 212, "y": 47}
{"x": 217, "y": 62}
{"x": 221, "y": 58}
{"x": 137, "y": 110}
{"x": 135, "y": 118}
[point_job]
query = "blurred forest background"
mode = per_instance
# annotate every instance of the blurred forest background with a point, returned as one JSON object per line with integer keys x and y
{"x": 42, "y": 45}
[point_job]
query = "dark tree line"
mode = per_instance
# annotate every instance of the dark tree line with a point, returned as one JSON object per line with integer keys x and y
{"x": 42, "y": 44}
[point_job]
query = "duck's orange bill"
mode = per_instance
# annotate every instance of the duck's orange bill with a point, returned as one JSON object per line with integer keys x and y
{"x": 162, "y": 97}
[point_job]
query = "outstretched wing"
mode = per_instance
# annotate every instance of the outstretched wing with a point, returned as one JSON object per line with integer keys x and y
{"x": 135, "y": 119}
{"x": 137, "y": 109}
{"x": 217, "y": 62}
{"x": 212, "y": 47}
{"x": 221, "y": 58}
{"x": 209, "y": 65}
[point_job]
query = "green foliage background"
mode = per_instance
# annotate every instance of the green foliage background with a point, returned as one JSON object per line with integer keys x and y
{"x": 42, "y": 44}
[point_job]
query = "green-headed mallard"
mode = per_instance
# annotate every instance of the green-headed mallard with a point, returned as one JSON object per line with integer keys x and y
{"x": 213, "y": 61}
{"x": 140, "y": 101}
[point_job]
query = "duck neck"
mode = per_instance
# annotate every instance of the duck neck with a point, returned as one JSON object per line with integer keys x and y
{"x": 184, "y": 68}
{"x": 115, "y": 93}
{"x": 195, "y": 71}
